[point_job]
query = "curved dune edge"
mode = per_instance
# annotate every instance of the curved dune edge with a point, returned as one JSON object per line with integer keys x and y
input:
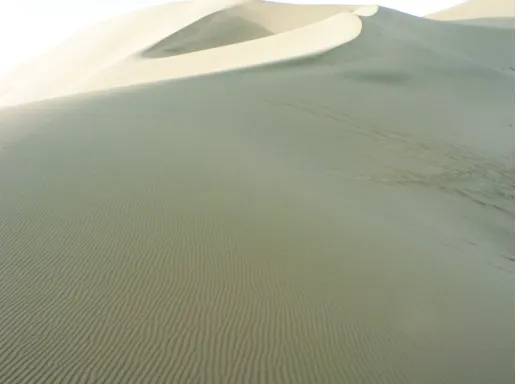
{"x": 106, "y": 55}
{"x": 62, "y": 70}
{"x": 303, "y": 42}
{"x": 367, "y": 10}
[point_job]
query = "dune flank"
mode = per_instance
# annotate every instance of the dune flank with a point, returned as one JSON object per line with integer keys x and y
{"x": 494, "y": 13}
{"x": 233, "y": 192}
{"x": 117, "y": 52}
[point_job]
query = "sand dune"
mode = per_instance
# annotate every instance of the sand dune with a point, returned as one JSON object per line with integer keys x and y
{"x": 109, "y": 56}
{"x": 477, "y": 11}
{"x": 331, "y": 202}
{"x": 309, "y": 40}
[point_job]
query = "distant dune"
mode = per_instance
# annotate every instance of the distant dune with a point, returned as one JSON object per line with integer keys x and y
{"x": 252, "y": 192}
{"x": 117, "y": 52}
{"x": 477, "y": 9}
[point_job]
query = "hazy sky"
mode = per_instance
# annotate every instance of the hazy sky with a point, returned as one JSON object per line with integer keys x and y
{"x": 29, "y": 27}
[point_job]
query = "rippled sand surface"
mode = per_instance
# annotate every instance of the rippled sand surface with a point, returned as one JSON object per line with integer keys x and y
{"x": 343, "y": 218}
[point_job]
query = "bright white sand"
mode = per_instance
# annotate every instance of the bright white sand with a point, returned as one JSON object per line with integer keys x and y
{"x": 332, "y": 201}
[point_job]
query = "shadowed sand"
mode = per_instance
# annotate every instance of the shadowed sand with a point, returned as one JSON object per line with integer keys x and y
{"x": 335, "y": 205}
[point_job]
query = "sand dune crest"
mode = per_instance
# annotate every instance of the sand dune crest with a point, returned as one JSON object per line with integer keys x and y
{"x": 96, "y": 62}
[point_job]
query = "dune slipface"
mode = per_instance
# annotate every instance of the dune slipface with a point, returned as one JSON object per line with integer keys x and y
{"x": 331, "y": 202}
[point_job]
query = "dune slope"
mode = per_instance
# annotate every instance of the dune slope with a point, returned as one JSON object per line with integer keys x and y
{"x": 111, "y": 53}
{"x": 345, "y": 216}
{"x": 479, "y": 10}
{"x": 212, "y": 31}
{"x": 306, "y": 41}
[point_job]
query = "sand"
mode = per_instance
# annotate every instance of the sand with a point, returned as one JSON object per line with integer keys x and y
{"x": 276, "y": 194}
{"x": 476, "y": 10}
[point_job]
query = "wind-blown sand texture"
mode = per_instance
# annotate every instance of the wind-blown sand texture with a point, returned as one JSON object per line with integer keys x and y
{"x": 331, "y": 201}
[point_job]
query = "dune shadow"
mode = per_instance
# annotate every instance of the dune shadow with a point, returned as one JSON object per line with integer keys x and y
{"x": 216, "y": 30}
